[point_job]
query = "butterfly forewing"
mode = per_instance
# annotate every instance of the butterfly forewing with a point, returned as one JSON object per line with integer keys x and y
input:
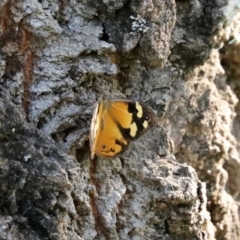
{"x": 134, "y": 119}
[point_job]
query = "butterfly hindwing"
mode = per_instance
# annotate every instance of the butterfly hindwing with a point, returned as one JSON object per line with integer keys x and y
{"x": 116, "y": 123}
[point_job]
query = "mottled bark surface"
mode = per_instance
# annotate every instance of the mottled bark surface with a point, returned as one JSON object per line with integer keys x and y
{"x": 179, "y": 181}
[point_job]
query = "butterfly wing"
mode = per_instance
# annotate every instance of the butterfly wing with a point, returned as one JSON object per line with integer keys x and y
{"x": 133, "y": 118}
{"x": 105, "y": 137}
{"x": 117, "y": 122}
{"x": 94, "y": 129}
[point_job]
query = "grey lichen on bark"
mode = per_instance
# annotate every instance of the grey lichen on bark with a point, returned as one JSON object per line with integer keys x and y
{"x": 180, "y": 180}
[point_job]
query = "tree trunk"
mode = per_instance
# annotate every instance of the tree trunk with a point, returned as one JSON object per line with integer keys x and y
{"x": 180, "y": 180}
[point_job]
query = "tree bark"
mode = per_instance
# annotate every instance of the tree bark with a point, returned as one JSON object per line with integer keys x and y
{"x": 180, "y": 180}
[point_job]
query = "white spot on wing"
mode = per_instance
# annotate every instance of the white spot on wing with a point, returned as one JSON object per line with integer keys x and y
{"x": 140, "y": 110}
{"x": 145, "y": 124}
{"x": 133, "y": 129}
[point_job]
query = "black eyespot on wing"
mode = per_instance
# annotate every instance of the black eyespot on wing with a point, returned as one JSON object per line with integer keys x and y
{"x": 103, "y": 147}
{"x": 147, "y": 118}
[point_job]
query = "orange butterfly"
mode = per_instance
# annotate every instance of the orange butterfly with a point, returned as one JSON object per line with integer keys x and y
{"x": 115, "y": 123}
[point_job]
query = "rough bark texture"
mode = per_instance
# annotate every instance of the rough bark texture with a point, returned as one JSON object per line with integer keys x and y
{"x": 179, "y": 181}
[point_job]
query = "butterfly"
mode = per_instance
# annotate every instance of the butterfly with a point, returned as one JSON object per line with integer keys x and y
{"x": 117, "y": 122}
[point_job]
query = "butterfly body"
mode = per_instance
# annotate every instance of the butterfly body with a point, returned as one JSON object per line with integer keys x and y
{"x": 116, "y": 123}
